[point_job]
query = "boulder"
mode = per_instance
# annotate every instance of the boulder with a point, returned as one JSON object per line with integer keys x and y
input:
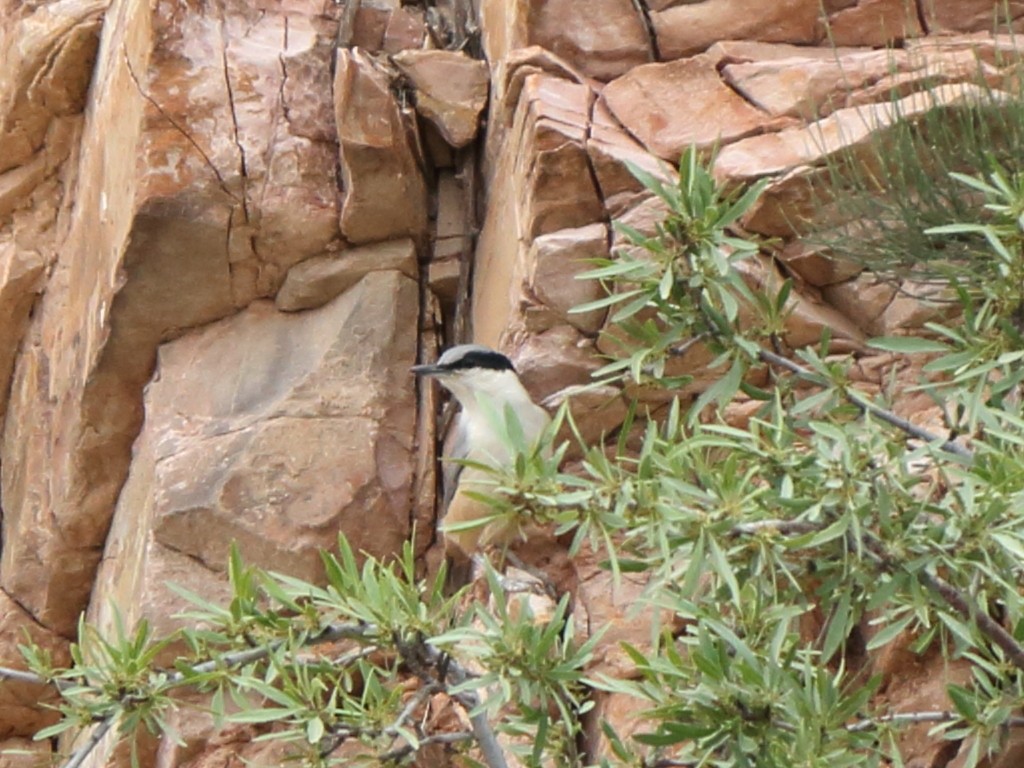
{"x": 646, "y": 102}
{"x": 451, "y": 90}
{"x": 385, "y": 195}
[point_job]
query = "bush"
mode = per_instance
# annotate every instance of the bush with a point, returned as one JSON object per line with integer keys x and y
{"x": 825, "y": 504}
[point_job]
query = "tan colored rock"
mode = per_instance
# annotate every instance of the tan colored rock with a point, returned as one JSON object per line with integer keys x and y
{"x": 555, "y": 261}
{"x": 604, "y": 39}
{"x": 810, "y": 87}
{"x": 25, "y": 753}
{"x": 883, "y": 307}
{"x": 451, "y": 90}
{"x": 48, "y": 55}
{"x": 790, "y": 203}
{"x": 647, "y": 102}
{"x": 385, "y": 195}
{"x": 615, "y": 610}
{"x": 553, "y": 360}
{"x": 21, "y": 277}
{"x": 746, "y": 51}
{"x": 971, "y": 15}
{"x": 690, "y": 28}
{"x": 541, "y": 183}
{"x": 875, "y": 23}
{"x": 844, "y": 129}
{"x": 864, "y": 299}
{"x": 611, "y": 150}
{"x": 818, "y": 266}
{"x": 366, "y": 26}
{"x": 806, "y": 317}
{"x": 814, "y": 86}
{"x": 273, "y": 431}
{"x": 216, "y": 199}
{"x": 453, "y": 218}
{"x": 406, "y": 28}
{"x": 314, "y": 282}
{"x": 626, "y": 716}
{"x": 21, "y": 710}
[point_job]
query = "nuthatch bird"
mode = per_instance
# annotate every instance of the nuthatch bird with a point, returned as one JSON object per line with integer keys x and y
{"x": 486, "y": 385}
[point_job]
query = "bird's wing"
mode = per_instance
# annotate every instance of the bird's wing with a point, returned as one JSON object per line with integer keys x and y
{"x": 456, "y": 447}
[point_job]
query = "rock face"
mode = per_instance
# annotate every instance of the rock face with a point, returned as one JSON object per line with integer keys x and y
{"x": 227, "y": 229}
{"x": 385, "y": 196}
{"x": 278, "y": 432}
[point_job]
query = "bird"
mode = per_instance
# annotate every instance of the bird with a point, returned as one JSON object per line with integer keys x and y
{"x": 485, "y": 384}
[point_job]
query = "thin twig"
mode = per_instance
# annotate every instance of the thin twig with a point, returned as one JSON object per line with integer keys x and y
{"x": 955, "y": 599}
{"x": 331, "y": 633}
{"x": 875, "y": 549}
{"x": 866, "y": 405}
{"x": 933, "y": 716}
{"x": 437, "y": 738}
{"x": 423, "y": 658}
{"x": 23, "y": 676}
{"x": 76, "y": 759}
{"x": 785, "y": 527}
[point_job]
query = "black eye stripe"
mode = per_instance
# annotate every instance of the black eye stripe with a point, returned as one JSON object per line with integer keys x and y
{"x": 494, "y": 361}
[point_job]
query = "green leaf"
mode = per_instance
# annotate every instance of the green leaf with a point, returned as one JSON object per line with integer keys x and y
{"x": 907, "y": 344}
{"x": 890, "y": 632}
{"x": 964, "y": 701}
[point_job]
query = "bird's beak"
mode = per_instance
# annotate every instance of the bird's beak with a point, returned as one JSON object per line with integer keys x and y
{"x": 427, "y": 370}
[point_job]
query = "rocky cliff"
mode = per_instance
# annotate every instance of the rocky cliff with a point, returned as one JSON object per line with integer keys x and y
{"x": 227, "y": 230}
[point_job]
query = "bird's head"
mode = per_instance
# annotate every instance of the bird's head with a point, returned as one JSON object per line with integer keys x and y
{"x": 472, "y": 370}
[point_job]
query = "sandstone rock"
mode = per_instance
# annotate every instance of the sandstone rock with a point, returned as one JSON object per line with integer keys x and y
{"x": 745, "y": 51}
{"x": 276, "y": 431}
{"x": 48, "y": 56}
{"x": 451, "y": 90}
{"x": 541, "y": 184}
{"x": 844, "y": 129}
{"x": 406, "y": 28}
{"x": 810, "y": 87}
{"x": 883, "y": 307}
{"x": 646, "y": 101}
{"x": 452, "y": 242}
{"x": 818, "y": 266}
{"x": 604, "y": 39}
{"x": 21, "y": 275}
{"x": 452, "y": 220}
{"x": 554, "y": 263}
{"x": 292, "y": 196}
{"x": 806, "y": 318}
{"x": 625, "y": 715}
{"x": 690, "y": 28}
{"x": 920, "y": 686}
{"x": 874, "y": 23}
{"x": 25, "y": 753}
{"x": 314, "y": 282}
{"x": 611, "y": 151}
{"x": 863, "y": 299}
{"x": 971, "y": 15}
{"x": 366, "y": 25}
{"x": 217, "y": 198}
{"x": 814, "y": 86}
{"x": 290, "y": 463}
{"x": 20, "y": 710}
{"x": 554, "y": 360}
{"x": 790, "y": 203}
{"x": 615, "y": 609}
{"x": 385, "y": 195}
